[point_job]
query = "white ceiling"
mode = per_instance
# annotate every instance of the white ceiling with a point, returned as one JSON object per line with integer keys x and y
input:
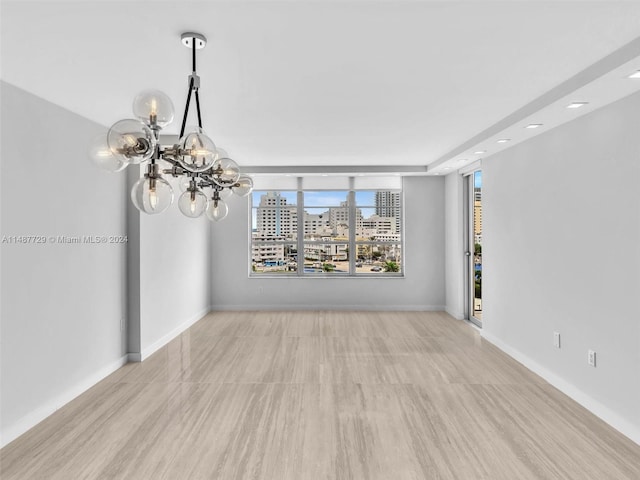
{"x": 333, "y": 83}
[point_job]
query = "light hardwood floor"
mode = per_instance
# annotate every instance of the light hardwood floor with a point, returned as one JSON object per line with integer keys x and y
{"x": 323, "y": 395}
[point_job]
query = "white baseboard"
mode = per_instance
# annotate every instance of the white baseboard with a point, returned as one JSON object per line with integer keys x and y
{"x": 162, "y": 341}
{"x": 324, "y": 306}
{"x": 134, "y": 357}
{"x": 598, "y": 409}
{"x": 33, "y": 418}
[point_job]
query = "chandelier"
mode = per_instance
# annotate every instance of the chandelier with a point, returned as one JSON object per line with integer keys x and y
{"x": 208, "y": 175}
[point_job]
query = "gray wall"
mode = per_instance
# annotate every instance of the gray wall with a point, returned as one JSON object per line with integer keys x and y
{"x": 561, "y": 231}
{"x": 174, "y": 273}
{"x": 62, "y": 304}
{"x": 422, "y": 288}
{"x": 73, "y": 313}
{"x": 454, "y": 246}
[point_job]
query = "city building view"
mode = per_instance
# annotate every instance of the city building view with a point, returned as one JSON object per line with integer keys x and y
{"x": 328, "y": 229}
{"x": 477, "y": 247}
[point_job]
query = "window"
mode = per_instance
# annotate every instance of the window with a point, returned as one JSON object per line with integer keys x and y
{"x": 473, "y": 214}
{"x": 317, "y": 232}
{"x": 379, "y": 231}
{"x": 274, "y": 232}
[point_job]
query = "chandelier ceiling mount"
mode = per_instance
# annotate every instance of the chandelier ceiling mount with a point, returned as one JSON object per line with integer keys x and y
{"x": 189, "y": 37}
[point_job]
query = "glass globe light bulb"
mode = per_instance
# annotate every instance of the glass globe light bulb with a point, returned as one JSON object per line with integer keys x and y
{"x": 153, "y": 198}
{"x": 184, "y": 183}
{"x": 154, "y": 108}
{"x": 225, "y": 172}
{"x": 217, "y": 210}
{"x": 193, "y": 203}
{"x": 221, "y": 153}
{"x": 197, "y": 151}
{"x": 152, "y": 195}
{"x": 103, "y": 157}
{"x": 131, "y": 140}
{"x": 243, "y": 187}
{"x": 225, "y": 193}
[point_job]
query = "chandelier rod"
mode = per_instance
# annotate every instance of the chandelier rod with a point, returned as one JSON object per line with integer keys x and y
{"x": 193, "y": 54}
{"x": 194, "y": 86}
{"x": 198, "y": 109}
{"x": 186, "y": 108}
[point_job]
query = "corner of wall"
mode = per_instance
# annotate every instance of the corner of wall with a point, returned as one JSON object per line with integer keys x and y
{"x": 166, "y": 338}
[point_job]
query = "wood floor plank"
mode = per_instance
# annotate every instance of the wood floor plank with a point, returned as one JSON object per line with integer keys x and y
{"x": 323, "y": 395}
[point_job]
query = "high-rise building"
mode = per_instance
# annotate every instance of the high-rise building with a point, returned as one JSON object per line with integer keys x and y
{"x": 477, "y": 215}
{"x": 388, "y": 205}
{"x": 275, "y": 218}
{"x": 380, "y": 225}
{"x": 316, "y": 223}
{"x": 339, "y": 218}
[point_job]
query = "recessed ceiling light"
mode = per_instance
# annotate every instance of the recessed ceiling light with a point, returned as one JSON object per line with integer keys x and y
{"x": 479, "y": 152}
{"x": 533, "y": 125}
{"x": 635, "y": 74}
{"x": 447, "y": 168}
{"x": 437, "y": 173}
{"x": 577, "y": 104}
{"x": 504, "y": 140}
{"x": 462, "y": 160}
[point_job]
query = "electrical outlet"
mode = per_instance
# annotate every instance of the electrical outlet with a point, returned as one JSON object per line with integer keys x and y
{"x": 260, "y": 290}
{"x": 122, "y": 324}
{"x": 556, "y": 339}
{"x": 591, "y": 358}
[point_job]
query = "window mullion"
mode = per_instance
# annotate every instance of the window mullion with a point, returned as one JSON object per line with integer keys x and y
{"x": 300, "y": 228}
{"x": 351, "y": 203}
